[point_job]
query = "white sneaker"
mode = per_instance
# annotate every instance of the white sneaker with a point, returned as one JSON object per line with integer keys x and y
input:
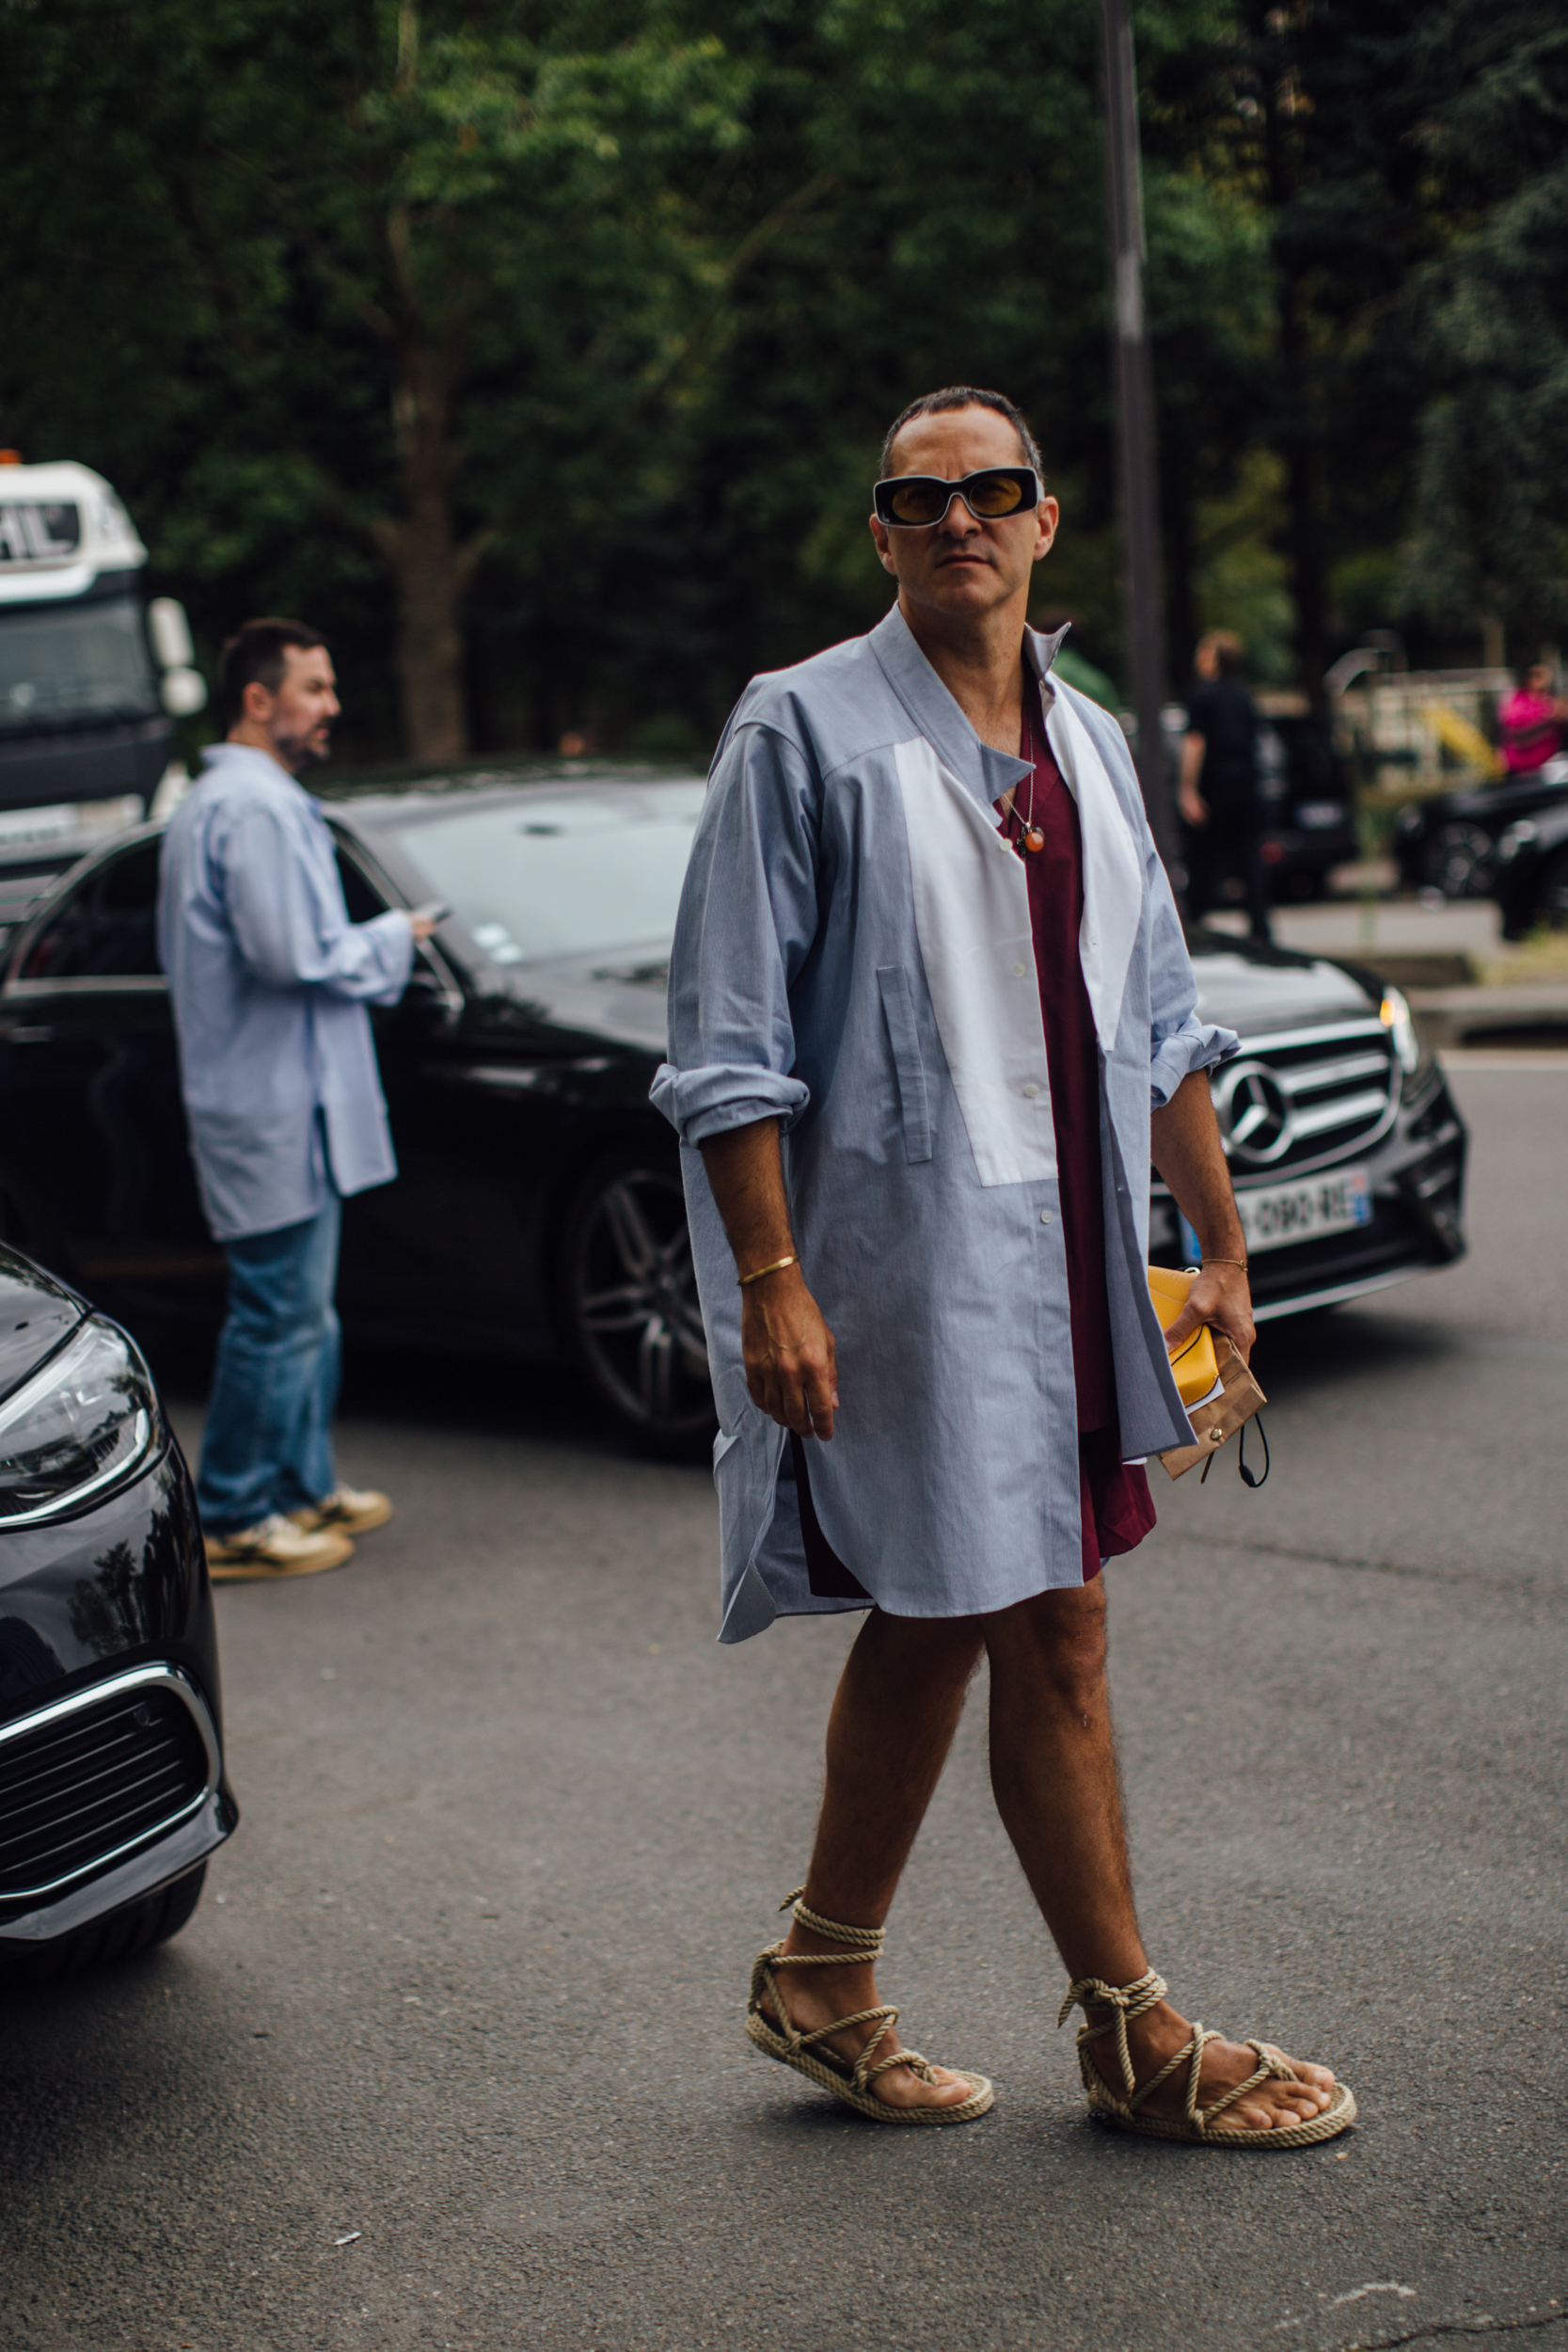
{"x": 346, "y": 1511}
{"x": 276, "y": 1548}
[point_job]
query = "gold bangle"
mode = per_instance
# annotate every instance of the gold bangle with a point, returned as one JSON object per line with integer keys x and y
{"x": 777, "y": 1268}
{"x": 1238, "y": 1262}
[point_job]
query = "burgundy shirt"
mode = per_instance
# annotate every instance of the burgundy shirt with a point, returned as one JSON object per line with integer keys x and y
{"x": 1118, "y": 1507}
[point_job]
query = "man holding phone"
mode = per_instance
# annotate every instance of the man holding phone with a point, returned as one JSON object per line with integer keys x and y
{"x": 269, "y": 982}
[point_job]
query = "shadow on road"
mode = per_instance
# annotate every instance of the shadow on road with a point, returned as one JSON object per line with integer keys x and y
{"x": 422, "y": 1389}
{"x": 1315, "y": 1351}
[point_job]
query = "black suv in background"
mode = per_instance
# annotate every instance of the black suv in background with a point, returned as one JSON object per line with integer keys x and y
{"x": 1454, "y": 842}
{"x": 1530, "y": 870}
{"x": 1309, "y": 808}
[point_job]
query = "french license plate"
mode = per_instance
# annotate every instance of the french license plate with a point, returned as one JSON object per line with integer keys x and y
{"x": 1278, "y": 1215}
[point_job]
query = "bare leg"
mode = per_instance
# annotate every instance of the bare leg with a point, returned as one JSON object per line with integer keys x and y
{"x": 893, "y": 1717}
{"x": 1053, "y": 1769}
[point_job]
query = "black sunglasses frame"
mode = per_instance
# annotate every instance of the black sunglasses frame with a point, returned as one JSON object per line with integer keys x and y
{"x": 1025, "y": 476}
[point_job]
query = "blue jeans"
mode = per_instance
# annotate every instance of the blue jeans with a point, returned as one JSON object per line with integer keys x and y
{"x": 268, "y": 1443}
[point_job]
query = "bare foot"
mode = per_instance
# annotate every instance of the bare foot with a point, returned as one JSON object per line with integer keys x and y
{"x": 816, "y": 1995}
{"x": 1161, "y": 2032}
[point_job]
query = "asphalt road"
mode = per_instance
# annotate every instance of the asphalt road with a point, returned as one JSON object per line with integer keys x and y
{"x": 451, "y": 2054}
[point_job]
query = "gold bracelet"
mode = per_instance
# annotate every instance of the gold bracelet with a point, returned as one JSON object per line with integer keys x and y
{"x": 1239, "y": 1262}
{"x": 777, "y": 1268}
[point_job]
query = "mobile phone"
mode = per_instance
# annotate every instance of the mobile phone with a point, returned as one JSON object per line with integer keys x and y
{"x": 437, "y": 911}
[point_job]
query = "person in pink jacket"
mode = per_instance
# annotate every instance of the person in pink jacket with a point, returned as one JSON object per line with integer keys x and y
{"x": 1530, "y": 722}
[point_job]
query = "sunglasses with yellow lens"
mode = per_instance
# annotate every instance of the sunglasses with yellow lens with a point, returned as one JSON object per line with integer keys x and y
{"x": 914, "y": 501}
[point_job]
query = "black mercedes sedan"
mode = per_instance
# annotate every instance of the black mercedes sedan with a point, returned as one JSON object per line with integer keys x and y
{"x": 112, "y": 1789}
{"x": 1346, "y": 1151}
{"x": 538, "y": 1213}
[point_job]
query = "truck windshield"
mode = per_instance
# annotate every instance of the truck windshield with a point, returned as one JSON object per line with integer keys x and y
{"x": 74, "y": 663}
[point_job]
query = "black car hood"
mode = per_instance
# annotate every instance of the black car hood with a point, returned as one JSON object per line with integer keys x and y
{"x": 36, "y": 1313}
{"x": 617, "y": 994}
{"x": 1257, "y": 990}
{"x": 620, "y": 995}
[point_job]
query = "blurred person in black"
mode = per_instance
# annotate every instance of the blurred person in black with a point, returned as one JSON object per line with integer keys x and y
{"x": 1218, "y": 789}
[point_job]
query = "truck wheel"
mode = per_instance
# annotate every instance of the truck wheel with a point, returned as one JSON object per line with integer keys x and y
{"x": 120, "y": 1935}
{"x": 630, "y": 1303}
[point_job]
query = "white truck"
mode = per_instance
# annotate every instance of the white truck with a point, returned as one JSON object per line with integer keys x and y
{"x": 90, "y": 673}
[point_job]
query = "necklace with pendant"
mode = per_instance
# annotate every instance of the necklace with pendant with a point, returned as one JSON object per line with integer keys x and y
{"x": 1033, "y": 840}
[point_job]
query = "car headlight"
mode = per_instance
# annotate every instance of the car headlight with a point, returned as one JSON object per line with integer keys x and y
{"x": 1513, "y": 840}
{"x": 1396, "y": 1018}
{"x": 82, "y": 1423}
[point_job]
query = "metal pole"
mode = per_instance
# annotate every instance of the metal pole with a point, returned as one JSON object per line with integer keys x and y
{"x": 1136, "y": 459}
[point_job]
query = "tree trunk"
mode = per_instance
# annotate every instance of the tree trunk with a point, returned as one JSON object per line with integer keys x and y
{"x": 1309, "y": 577}
{"x": 1298, "y": 441}
{"x": 431, "y": 570}
{"x": 1180, "y": 573}
{"x": 432, "y": 581}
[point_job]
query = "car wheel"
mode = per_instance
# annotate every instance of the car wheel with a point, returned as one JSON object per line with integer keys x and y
{"x": 120, "y": 1935}
{"x": 1458, "y": 861}
{"x": 631, "y": 1300}
{"x": 1554, "y": 893}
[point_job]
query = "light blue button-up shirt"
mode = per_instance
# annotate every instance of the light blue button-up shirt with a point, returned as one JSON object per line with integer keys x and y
{"x": 269, "y": 982}
{"x": 855, "y": 958}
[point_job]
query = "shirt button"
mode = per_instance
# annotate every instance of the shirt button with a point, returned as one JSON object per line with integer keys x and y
{"x": 1045, "y": 1216}
{"x": 1030, "y": 1092}
{"x": 1018, "y": 971}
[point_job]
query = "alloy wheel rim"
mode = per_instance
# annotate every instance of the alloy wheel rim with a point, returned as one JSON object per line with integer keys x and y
{"x": 636, "y": 1304}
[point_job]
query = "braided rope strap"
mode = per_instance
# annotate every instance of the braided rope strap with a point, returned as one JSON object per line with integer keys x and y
{"x": 1125, "y": 2002}
{"x": 1128, "y": 2001}
{"x": 859, "y": 1944}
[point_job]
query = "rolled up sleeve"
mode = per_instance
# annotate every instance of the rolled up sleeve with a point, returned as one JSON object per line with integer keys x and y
{"x": 1179, "y": 1043}
{"x": 286, "y": 910}
{"x": 747, "y": 921}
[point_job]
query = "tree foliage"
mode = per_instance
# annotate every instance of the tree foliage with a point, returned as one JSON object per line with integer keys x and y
{"x": 542, "y": 353}
{"x": 1491, "y": 524}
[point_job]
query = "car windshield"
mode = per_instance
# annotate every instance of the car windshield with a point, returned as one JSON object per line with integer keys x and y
{"x": 573, "y": 873}
{"x": 72, "y": 664}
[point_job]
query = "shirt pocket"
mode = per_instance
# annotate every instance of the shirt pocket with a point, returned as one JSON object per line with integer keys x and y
{"x": 904, "y": 1038}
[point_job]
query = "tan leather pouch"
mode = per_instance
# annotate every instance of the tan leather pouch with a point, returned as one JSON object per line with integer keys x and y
{"x": 1213, "y": 1423}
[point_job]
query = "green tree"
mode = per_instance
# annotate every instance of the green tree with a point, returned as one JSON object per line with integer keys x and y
{"x": 428, "y": 260}
{"x": 558, "y": 344}
{"x": 1492, "y": 533}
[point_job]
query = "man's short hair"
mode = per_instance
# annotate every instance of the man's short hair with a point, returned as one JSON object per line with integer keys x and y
{"x": 1229, "y": 651}
{"x": 255, "y": 655}
{"x": 963, "y": 396}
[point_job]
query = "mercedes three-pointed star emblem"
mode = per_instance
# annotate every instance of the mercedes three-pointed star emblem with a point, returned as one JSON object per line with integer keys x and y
{"x": 1255, "y": 1112}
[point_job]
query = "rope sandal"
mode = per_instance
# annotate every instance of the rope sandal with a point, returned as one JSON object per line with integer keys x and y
{"x": 850, "y": 2083}
{"x": 1128, "y": 2001}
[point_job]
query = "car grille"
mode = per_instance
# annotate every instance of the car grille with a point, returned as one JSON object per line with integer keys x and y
{"x": 80, "y": 1784}
{"x": 1305, "y": 1097}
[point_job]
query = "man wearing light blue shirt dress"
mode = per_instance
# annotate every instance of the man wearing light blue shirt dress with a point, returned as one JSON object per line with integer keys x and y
{"x": 875, "y": 1170}
{"x": 269, "y": 982}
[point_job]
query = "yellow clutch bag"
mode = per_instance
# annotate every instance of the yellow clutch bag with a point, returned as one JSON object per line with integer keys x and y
{"x": 1195, "y": 1367}
{"x": 1218, "y": 1391}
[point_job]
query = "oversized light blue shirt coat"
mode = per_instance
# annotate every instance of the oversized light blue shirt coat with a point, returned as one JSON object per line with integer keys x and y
{"x": 269, "y": 982}
{"x": 854, "y": 956}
